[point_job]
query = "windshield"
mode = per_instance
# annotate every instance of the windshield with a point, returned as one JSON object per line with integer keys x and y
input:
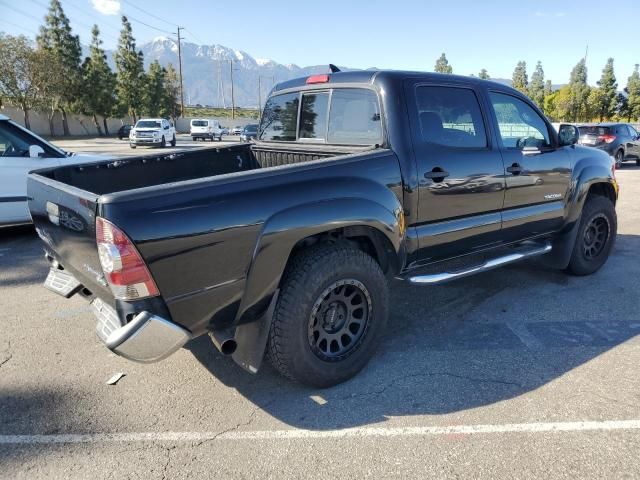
{"x": 251, "y": 128}
{"x": 199, "y": 123}
{"x": 346, "y": 116}
{"x": 148, "y": 124}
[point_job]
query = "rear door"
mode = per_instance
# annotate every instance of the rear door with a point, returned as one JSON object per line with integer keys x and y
{"x": 460, "y": 170}
{"x": 538, "y": 172}
{"x": 15, "y": 163}
{"x": 633, "y": 142}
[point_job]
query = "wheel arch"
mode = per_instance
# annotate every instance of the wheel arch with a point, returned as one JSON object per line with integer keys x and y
{"x": 365, "y": 224}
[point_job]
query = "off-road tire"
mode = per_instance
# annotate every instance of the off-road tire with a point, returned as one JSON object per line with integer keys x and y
{"x": 305, "y": 280}
{"x": 599, "y": 209}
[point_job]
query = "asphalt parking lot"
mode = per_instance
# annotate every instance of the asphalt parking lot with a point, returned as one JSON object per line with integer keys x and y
{"x": 518, "y": 373}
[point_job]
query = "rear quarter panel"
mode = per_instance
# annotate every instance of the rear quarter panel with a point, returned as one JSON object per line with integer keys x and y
{"x": 203, "y": 240}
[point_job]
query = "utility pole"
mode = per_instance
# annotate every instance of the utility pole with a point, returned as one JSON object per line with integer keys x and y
{"x": 233, "y": 101}
{"x": 260, "y": 77}
{"x": 180, "y": 69}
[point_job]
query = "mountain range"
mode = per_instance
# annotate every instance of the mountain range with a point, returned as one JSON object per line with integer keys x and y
{"x": 207, "y": 72}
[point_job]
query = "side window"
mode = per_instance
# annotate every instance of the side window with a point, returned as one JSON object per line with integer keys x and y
{"x": 12, "y": 143}
{"x": 354, "y": 118}
{"x": 622, "y": 130}
{"x": 450, "y": 117}
{"x": 632, "y": 131}
{"x": 279, "y": 118}
{"x": 520, "y": 125}
{"x": 313, "y": 115}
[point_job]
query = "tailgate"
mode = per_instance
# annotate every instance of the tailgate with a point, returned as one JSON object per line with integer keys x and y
{"x": 64, "y": 217}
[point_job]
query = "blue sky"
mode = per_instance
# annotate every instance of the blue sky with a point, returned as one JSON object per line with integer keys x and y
{"x": 404, "y": 34}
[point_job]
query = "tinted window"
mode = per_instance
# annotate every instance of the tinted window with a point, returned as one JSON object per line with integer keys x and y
{"x": 622, "y": 130}
{"x": 450, "y": 117}
{"x": 313, "y": 115}
{"x": 147, "y": 124}
{"x": 594, "y": 130}
{"x": 199, "y": 123}
{"x": 354, "y": 118}
{"x": 632, "y": 131}
{"x": 14, "y": 142}
{"x": 519, "y": 124}
{"x": 279, "y": 118}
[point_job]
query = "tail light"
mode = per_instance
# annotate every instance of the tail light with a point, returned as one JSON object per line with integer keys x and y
{"x": 317, "y": 79}
{"x": 607, "y": 138}
{"x": 123, "y": 267}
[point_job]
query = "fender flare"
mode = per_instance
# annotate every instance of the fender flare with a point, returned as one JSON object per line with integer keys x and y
{"x": 285, "y": 229}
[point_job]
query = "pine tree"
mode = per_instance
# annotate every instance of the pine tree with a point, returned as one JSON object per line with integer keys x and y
{"x": 484, "y": 75}
{"x": 623, "y": 108}
{"x": 633, "y": 95}
{"x": 442, "y": 65}
{"x": 170, "y": 103}
{"x": 604, "y": 99}
{"x": 130, "y": 72}
{"x": 520, "y": 79}
{"x": 155, "y": 90}
{"x": 536, "y": 87}
{"x": 63, "y": 48}
{"x": 99, "y": 83}
{"x": 579, "y": 92}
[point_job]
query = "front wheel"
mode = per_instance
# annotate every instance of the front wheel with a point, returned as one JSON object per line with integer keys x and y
{"x": 330, "y": 315}
{"x": 619, "y": 158}
{"x": 596, "y": 236}
{"x": 131, "y": 145}
{"x": 173, "y": 142}
{"x": 163, "y": 142}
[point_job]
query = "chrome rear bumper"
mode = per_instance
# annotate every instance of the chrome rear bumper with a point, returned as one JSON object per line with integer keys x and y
{"x": 146, "y": 338}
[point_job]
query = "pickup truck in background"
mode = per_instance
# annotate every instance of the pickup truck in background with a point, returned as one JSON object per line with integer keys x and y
{"x": 154, "y": 132}
{"x": 20, "y": 152}
{"x": 287, "y": 245}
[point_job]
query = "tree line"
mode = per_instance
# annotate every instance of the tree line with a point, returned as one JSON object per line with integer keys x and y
{"x": 51, "y": 75}
{"x": 577, "y": 101}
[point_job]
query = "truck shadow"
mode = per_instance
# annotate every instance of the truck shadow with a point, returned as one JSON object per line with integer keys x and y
{"x": 456, "y": 347}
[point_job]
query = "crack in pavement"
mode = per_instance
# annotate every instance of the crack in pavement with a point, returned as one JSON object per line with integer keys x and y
{"x": 396, "y": 381}
{"x": 8, "y": 351}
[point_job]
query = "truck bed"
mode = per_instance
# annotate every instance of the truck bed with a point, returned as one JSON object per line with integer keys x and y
{"x": 151, "y": 170}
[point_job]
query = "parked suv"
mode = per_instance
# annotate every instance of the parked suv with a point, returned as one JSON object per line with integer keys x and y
{"x": 620, "y": 140}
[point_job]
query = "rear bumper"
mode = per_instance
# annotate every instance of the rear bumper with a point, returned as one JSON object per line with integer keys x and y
{"x": 203, "y": 135}
{"x": 146, "y": 338}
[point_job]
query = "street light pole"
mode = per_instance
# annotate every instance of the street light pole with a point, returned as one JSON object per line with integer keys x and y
{"x": 233, "y": 100}
{"x": 180, "y": 69}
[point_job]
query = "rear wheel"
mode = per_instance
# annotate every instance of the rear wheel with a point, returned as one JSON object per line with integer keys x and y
{"x": 619, "y": 158}
{"x": 638, "y": 162}
{"x": 596, "y": 236}
{"x": 330, "y": 315}
{"x": 194, "y": 139}
{"x": 131, "y": 145}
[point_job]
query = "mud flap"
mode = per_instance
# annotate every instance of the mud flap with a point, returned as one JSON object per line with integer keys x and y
{"x": 252, "y": 339}
{"x": 563, "y": 245}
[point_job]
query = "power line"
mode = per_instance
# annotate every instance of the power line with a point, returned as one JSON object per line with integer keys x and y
{"x": 28, "y": 30}
{"x": 147, "y": 25}
{"x": 195, "y": 37}
{"x": 84, "y": 12}
{"x": 149, "y": 13}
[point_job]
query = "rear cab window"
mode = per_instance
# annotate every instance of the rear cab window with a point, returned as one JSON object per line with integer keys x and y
{"x": 341, "y": 116}
{"x": 199, "y": 123}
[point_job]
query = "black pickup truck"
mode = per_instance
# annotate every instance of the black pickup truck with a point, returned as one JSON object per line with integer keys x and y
{"x": 286, "y": 245}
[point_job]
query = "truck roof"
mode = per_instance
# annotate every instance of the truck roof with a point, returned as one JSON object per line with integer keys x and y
{"x": 370, "y": 77}
{"x": 4, "y": 117}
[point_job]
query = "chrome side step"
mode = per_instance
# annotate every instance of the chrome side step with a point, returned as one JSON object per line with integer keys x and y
{"x": 443, "y": 277}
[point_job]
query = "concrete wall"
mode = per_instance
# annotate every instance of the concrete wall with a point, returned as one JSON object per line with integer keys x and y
{"x": 83, "y": 125}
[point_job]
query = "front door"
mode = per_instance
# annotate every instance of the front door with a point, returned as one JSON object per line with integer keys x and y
{"x": 15, "y": 163}
{"x": 460, "y": 170}
{"x": 538, "y": 171}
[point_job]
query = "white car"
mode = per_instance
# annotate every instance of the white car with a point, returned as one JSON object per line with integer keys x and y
{"x": 205, "y": 128}
{"x": 20, "y": 152}
{"x": 152, "y": 131}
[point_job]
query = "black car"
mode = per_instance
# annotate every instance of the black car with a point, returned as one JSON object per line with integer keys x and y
{"x": 620, "y": 140}
{"x": 287, "y": 244}
{"x": 250, "y": 132}
{"x": 123, "y": 131}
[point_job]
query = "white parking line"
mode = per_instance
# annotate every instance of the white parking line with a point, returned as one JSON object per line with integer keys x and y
{"x": 359, "y": 432}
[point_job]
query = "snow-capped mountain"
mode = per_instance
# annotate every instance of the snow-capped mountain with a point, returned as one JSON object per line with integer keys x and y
{"x": 207, "y": 74}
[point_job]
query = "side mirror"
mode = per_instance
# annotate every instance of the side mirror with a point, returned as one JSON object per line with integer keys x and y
{"x": 568, "y": 135}
{"x": 36, "y": 151}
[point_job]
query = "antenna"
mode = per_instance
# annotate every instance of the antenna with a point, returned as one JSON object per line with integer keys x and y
{"x": 333, "y": 68}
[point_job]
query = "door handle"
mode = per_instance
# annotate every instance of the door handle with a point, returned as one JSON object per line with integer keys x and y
{"x": 437, "y": 174}
{"x": 515, "y": 169}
